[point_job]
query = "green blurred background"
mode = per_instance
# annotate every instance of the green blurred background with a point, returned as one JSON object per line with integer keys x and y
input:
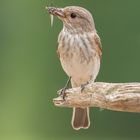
{"x": 30, "y": 72}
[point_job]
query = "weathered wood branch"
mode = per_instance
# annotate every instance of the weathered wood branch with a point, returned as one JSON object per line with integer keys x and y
{"x": 113, "y": 96}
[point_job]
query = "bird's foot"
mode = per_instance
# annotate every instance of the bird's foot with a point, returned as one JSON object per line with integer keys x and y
{"x": 62, "y": 92}
{"x": 83, "y": 86}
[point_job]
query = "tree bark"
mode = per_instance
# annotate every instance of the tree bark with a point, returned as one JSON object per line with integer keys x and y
{"x": 113, "y": 96}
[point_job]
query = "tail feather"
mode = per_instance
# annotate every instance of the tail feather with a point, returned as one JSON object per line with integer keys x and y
{"x": 80, "y": 118}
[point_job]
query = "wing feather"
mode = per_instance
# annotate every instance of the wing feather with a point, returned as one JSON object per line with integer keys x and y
{"x": 98, "y": 44}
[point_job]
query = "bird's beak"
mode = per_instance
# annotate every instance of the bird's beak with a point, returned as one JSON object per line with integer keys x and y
{"x": 56, "y": 11}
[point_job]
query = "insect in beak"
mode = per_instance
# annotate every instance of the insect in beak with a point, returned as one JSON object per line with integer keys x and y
{"x": 53, "y": 11}
{"x": 51, "y": 16}
{"x": 52, "y": 19}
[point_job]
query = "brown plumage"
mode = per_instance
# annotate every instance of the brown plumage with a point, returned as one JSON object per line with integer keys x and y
{"x": 79, "y": 52}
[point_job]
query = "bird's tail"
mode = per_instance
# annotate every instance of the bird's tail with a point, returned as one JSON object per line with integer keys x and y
{"x": 80, "y": 118}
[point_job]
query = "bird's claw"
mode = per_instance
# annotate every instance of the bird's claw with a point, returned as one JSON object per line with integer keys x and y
{"x": 62, "y": 93}
{"x": 83, "y": 86}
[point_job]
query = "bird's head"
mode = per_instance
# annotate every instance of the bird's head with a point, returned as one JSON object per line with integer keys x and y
{"x": 74, "y": 18}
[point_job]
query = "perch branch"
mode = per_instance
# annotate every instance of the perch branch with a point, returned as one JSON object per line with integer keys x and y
{"x": 113, "y": 96}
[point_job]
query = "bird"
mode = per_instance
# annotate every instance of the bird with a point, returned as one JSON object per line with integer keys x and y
{"x": 79, "y": 51}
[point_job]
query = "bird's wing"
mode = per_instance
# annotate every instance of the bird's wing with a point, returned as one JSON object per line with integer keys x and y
{"x": 58, "y": 54}
{"x": 98, "y": 44}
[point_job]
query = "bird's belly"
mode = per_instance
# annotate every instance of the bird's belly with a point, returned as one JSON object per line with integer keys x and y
{"x": 81, "y": 72}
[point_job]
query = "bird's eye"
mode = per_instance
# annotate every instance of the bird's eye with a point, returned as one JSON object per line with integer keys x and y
{"x": 73, "y": 15}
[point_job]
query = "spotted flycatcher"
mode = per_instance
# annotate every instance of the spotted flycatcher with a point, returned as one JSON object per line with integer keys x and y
{"x": 79, "y": 50}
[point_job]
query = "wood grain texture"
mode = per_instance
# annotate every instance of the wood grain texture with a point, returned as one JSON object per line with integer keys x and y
{"x": 113, "y": 96}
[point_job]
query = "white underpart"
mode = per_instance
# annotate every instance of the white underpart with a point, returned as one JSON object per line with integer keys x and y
{"x": 80, "y": 72}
